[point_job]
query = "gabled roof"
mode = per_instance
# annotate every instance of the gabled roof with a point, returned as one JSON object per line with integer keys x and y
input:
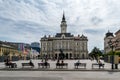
{"x": 117, "y": 32}
{"x": 66, "y": 35}
{"x": 109, "y": 34}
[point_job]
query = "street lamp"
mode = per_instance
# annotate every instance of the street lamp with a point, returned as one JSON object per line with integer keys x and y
{"x": 46, "y": 57}
{"x": 112, "y": 45}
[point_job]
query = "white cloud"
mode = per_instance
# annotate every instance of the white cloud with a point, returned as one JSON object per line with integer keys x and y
{"x": 32, "y": 19}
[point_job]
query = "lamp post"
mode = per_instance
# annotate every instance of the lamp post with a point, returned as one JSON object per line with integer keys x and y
{"x": 46, "y": 57}
{"x": 112, "y": 45}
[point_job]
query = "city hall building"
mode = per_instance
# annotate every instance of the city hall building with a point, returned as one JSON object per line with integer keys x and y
{"x": 73, "y": 47}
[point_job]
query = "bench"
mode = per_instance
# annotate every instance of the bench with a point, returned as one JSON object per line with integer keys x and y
{"x": 99, "y": 65}
{"x": 79, "y": 64}
{"x": 61, "y": 65}
{"x": 27, "y": 64}
{"x": 11, "y": 65}
{"x": 44, "y": 65}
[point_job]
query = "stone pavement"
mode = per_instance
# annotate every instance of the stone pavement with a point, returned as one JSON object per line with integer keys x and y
{"x": 58, "y": 75}
{"x": 30, "y": 78}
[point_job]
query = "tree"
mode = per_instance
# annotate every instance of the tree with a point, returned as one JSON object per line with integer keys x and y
{"x": 117, "y": 53}
{"x": 95, "y": 53}
{"x": 113, "y": 53}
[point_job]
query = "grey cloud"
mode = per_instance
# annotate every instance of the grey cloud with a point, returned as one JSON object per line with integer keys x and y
{"x": 5, "y": 21}
{"x": 27, "y": 26}
{"x": 31, "y": 19}
{"x": 95, "y": 20}
{"x": 94, "y": 31}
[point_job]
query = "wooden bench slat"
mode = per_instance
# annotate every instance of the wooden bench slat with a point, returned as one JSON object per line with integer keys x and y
{"x": 44, "y": 65}
{"x": 27, "y": 64}
{"x": 11, "y": 65}
{"x": 61, "y": 65}
{"x": 99, "y": 65}
{"x": 80, "y": 64}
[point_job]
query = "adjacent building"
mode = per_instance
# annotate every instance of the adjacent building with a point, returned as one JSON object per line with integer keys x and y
{"x": 114, "y": 38}
{"x": 109, "y": 36}
{"x": 35, "y": 50}
{"x": 35, "y": 46}
{"x": 72, "y": 46}
{"x": 117, "y": 37}
{"x": 14, "y": 51}
{"x": 8, "y": 50}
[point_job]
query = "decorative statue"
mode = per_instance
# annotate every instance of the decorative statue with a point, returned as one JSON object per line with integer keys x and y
{"x": 61, "y": 55}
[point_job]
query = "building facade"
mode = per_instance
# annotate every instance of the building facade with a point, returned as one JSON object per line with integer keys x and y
{"x": 73, "y": 47}
{"x": 110, "y": 36}
{"x": 8, "y": 50}
{"x": 35, "y": 46}
{"x": 35, "y": 50}
{"x": 117, "y": 37}
{"x": 14, "y": 51}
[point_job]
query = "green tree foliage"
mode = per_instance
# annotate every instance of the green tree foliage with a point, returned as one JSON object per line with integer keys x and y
{"x": 95, "y": 53}
{"x": 117, "y": 53}
{"x": 113, "y": 53}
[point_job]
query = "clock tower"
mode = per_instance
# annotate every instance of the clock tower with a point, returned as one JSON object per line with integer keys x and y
{"x": 63, "y": 25}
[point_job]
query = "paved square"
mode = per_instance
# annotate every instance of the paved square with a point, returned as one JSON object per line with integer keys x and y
{"x": 53, "y": 63}
{"x": 30, "y": 78}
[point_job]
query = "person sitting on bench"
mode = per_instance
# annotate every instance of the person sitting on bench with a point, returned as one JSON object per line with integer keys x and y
{"x": 62, "y": 62}
{"x": 31, "y": 63}
{"x": 9, "y": 63}
{"x": 100, "y": 64}
{"x": 46, "y": 63}
{"x": 78, "y": 62}
{"x": 58, "y": 62}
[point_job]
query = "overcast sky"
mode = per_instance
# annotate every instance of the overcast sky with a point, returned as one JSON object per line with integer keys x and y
{"x": 29, "y": 20}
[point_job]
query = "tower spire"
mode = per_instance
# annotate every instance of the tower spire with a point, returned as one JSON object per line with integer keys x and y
{"x": 63, "y": 18}
{"x": 63, "y": 24}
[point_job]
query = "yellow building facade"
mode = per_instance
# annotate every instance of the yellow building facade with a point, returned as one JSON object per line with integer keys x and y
{"x": 7, "y": 50}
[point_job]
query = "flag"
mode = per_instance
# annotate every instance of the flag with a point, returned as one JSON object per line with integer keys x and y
{"x": 26, "y": 51}
{"x": 21, "y": 47}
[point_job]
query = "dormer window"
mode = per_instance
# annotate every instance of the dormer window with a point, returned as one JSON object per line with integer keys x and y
{"x": 63, "y": 36}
